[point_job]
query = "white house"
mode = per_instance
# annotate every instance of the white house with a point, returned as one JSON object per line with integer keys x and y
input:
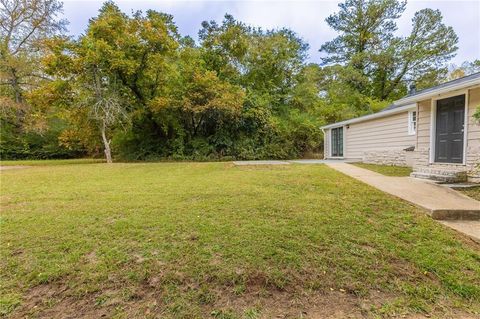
{"x": 432, "y": 130}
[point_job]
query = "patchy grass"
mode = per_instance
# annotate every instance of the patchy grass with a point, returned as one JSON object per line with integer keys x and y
{"x": 473, "y": 192}
{"x": 387, "y": 170}
{"x": 189, "y": 240}
{"x": 52, "y": 162}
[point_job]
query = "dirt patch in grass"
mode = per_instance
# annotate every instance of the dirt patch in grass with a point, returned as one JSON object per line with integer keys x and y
{"x": 52, "y": 300}
{"x": 55, "y": 301}
{"x": 262, "y": 304}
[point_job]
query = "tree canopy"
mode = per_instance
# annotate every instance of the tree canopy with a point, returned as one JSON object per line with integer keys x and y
{"x": 384, "y": 62}
{"x": 131, "y": 87}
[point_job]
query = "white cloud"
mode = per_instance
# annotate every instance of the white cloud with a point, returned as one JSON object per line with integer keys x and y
{"x": 306, "y": 18}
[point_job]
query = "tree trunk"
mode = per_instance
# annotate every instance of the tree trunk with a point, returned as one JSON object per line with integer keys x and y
{"x": 106, "y": 144}
{"x": 16, "y": 87}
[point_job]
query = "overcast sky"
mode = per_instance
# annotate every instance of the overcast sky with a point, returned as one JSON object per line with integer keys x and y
{"x": 306, "y": 18}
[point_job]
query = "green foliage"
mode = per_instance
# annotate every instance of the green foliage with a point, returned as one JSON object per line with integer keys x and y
{"x": 383, "y": 64}
{"x": 113, "y": 70}
{"x": 27, "y": 130}
{"x": 236, "y": 95}
{"x": 34, "y": 145}
{"x": 466, "y": 68}
{"x": 132, "y": 86}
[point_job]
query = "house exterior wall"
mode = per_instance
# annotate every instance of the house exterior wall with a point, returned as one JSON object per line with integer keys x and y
{"x": 473, "y": 136}
{"x": 384, "y": 140}
{"x": 326, "y": 144}
{"x": 422, "y": 149}
{"x": 380, "y": 141}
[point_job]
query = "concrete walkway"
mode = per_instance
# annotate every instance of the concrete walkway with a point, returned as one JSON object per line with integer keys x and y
{"x": 470, "y": 228}
{"x": 299, "y": 161}
{"x": 455, "y": 209}
{"x": 247, "y": 163}
{"x": 317, "y": 161}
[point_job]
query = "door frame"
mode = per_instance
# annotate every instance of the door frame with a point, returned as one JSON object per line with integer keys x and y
{"x": 330, "y": 142}
{"x": 433, "y": 126}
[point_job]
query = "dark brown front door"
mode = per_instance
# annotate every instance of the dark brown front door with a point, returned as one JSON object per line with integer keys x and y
{"x": 449, "y": 130}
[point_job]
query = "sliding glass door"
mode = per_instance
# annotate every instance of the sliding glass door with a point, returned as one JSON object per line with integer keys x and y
{"x": 337, "y": 142}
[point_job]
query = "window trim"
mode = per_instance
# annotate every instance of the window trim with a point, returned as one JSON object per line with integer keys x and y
{"x": 330, "y": 142}
{"x": 412, "y": 128}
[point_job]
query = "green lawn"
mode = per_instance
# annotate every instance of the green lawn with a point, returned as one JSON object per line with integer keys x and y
{"x": 190, "y": 240}
{"x": 387, "y": 170}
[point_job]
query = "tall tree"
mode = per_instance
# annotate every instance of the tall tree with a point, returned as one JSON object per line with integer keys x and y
{"x": 225, "y": 46}
{"x": 116, "y": 68}
{"x": 23, "y": 26}
{"x": 273, "y": 64}
{"x": 200, "y": 99}
{"x": 367, "y": 43}
{"x": 427, "y": 49}
{"x": 364, "y": 26}
{"x": 265, "y": 63}
{"x": 26, "y": 128}
{"x": 466, "y": 68}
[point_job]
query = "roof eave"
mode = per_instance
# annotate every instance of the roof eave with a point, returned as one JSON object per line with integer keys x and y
{"x": 433, "y": 93}
{"x": 409, "y": 102}
{"x": 373, "y": 116}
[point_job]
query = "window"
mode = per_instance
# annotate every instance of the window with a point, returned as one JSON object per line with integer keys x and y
{"x": 412, "y": 122}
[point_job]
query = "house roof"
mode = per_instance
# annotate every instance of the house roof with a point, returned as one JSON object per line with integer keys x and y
{"x": 457, "y": 84}
{"x": 389, "y": 110}
{"x": 408, "y": 101}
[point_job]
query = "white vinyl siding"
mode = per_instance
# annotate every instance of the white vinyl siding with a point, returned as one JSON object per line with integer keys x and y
{"x": 473, "y": 129}
{"x": 326, "y": 144}
{"x": 423, "y": 125}
{"x": 387, "y": 133}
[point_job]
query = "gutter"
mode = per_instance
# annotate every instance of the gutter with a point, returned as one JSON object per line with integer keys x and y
{"x": 409, "y": 102}
{"x": 368, "y": 117}
{"x": 427, "y": 95}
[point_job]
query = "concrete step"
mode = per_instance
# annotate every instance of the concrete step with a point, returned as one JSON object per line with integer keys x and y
{"x": 455, "y": 214}
{"x": 440, "y": 175}
{"x": 440, "y": 171}
{"x": 440, "y": 178}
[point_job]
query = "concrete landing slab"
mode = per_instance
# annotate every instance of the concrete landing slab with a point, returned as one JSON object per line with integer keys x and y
{"x": 318, "y": 161}
{"x": 297, "y": 161}
{"x": 6, "y": 168}
{"x": 462, "y": 185}
{"x": 308, "y": 161}
{"x": 470, "y": 228}
{"x": 441, "y": 202}
{"x": 246, "y": 163}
